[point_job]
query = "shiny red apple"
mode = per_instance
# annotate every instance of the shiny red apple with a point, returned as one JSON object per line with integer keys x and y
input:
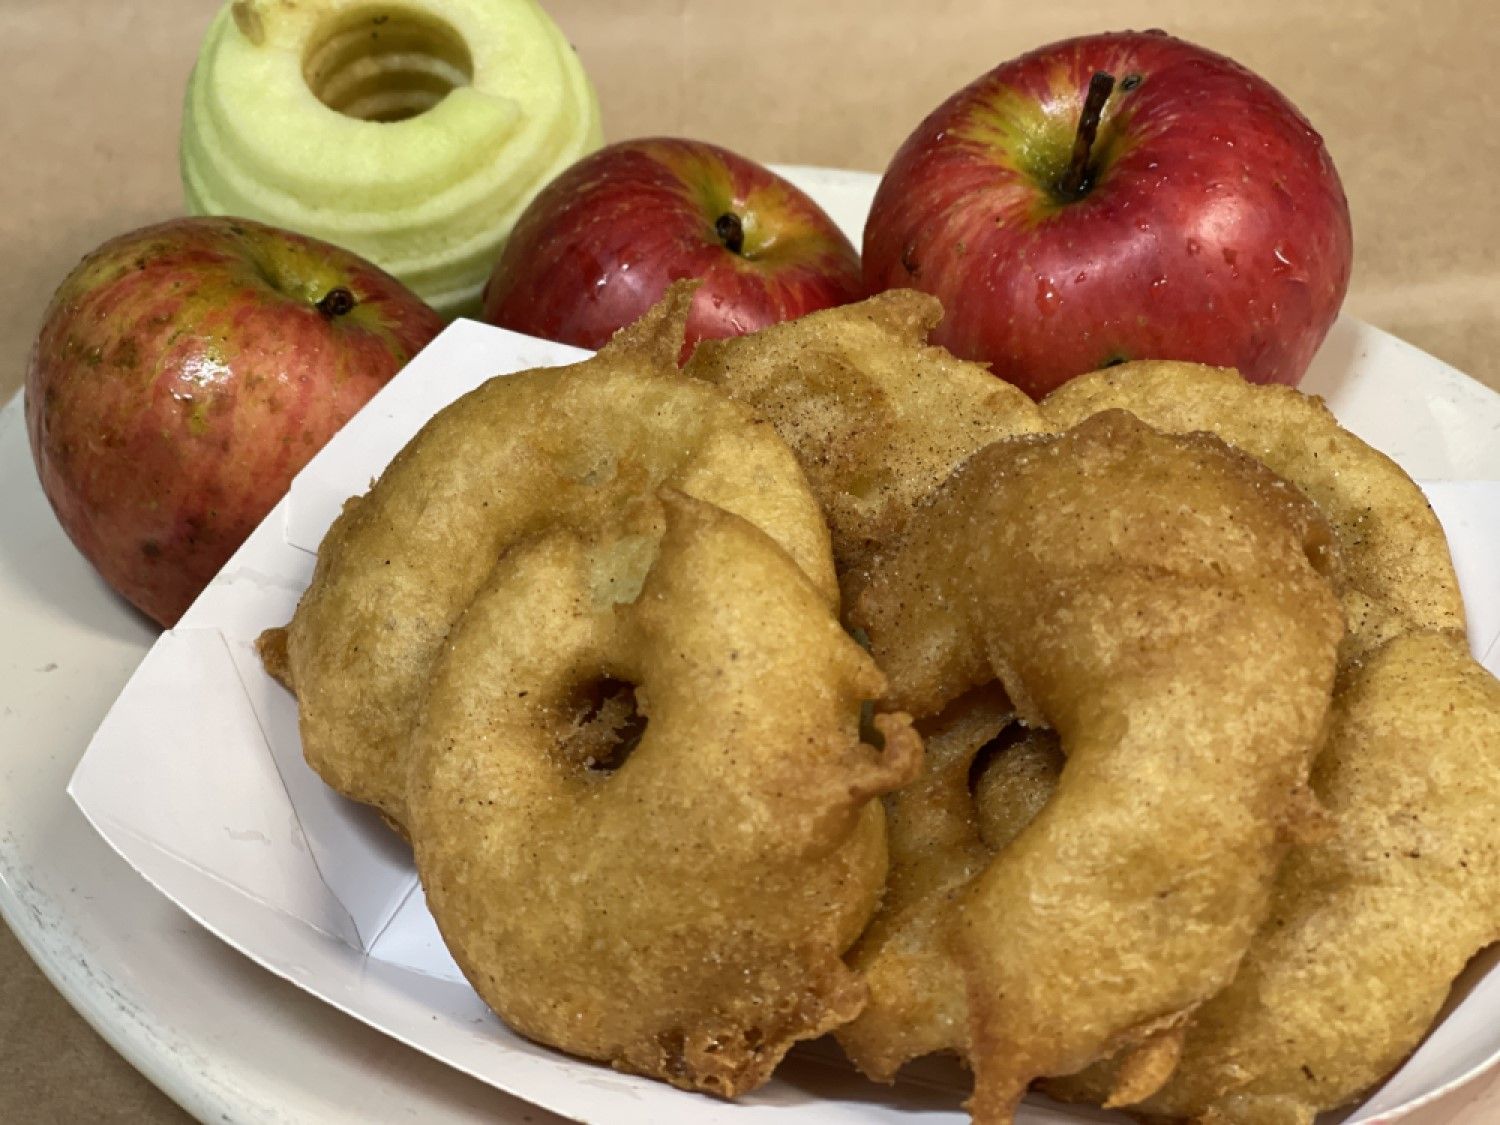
{"x": 602, "y": 242}
{"x": 1185, "y": 210}
{"x": 184, "y": 373}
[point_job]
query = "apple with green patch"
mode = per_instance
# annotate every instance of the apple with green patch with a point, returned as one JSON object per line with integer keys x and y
{"x": 1115, "y": 197}
{"x": 184, "y": 373}
{"x": 601, "y": 243}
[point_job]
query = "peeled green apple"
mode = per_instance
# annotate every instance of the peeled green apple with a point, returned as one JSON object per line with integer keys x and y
{"x": 413, "y": 134}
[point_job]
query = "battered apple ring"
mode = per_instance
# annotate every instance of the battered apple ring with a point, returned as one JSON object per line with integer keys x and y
{"x": 680, "y": 913}
{"x": 876, "y": 415}
{"x": 937, "y": 847}
{"x": 1396, "y": 574}
{"x": 568, "y": 447}
{"x": 1403, "y": 892}
{"x": 1157, "y": 601}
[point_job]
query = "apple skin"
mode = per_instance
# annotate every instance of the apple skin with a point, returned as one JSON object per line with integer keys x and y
{"x": 1216, "y": 229}
{"x": 184, "y": 373}
{"x": 601, "y": 243}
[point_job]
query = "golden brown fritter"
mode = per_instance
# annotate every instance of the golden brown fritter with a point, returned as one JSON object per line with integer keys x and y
{"x": 567, "y": 447}
{"x": 680, "y": 910}
{"x": 916, "y": 998}
{"x": 1158, "y": 601}
{"x": 1368, "y": 928}
{"x": 984, "y": 778}
{"x": 1396, "y": 572}
{"x": 878, "y": 417}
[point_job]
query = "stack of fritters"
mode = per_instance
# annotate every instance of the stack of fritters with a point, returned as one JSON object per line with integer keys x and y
{"x": 1203, "y": 826}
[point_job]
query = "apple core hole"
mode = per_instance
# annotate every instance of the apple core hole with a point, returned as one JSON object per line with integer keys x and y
{"x": 603, "y": 725}
{"x": 385, "y": 63}
{"x": 1011, "y": 778}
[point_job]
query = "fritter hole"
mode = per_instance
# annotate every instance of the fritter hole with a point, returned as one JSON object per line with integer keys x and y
{"x": 986, "y": 755}
{"x": 1012, "y": 778}
{"x": 604, "y": 725}
{"x": 869, "y": 733}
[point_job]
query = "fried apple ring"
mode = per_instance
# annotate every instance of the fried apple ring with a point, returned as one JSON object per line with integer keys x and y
{"x": 1157, "y": 601}
{"x": 983, "y": 779}
{"x": 877, "y": 416}
{"x": 564, "y": 447}
{"x": 917, "y": 1002}
{"x": 682, "y": 913}
{"x": 1370, "y": 926}
{"x": 1395, "y": 569}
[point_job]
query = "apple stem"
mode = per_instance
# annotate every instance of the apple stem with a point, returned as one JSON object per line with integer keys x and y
{"x": 731, "y": 231}
{"x": 1079, "y": 177}
{"x": 336, "y": 302}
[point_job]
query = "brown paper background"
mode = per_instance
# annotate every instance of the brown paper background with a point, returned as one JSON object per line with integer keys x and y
{"x": 91, "y": 90}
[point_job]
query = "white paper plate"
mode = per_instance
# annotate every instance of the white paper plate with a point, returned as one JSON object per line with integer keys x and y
{"x": 232, "y": 1043}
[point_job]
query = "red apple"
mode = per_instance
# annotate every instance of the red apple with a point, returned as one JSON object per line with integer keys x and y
{"x": 602, "y": 242}
{"x": 184, "y": 373}
{"x": 1203, "y": 222}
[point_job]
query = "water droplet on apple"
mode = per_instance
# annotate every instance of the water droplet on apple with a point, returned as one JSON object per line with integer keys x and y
{"x": 1279, "y": 253}
{"x": 1159, "y": 283}
{"x": 1046, "y": 296}
{"x": 1193, "y": 246}
{"x": 1080, "y": 277}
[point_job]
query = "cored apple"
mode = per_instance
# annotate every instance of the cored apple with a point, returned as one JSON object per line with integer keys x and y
{"x": 412, "y": 133}
{"x": 184, "y": 373}
{"x": 1114, "y": 197}
{"x": 600, "y": 245}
